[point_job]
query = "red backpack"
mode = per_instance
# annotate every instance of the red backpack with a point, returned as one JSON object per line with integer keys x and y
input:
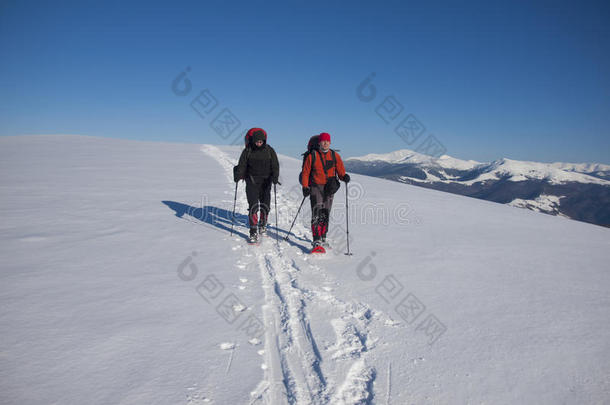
{"x": 250, "y": 135}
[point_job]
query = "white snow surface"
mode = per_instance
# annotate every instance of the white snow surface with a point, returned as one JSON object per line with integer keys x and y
{"x": 121, "y": 284}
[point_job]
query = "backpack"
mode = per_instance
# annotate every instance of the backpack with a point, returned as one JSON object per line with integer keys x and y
{"x": 249, "y": 146}
{"x": 313, "y": 147}
{"x": 250, "y": 135}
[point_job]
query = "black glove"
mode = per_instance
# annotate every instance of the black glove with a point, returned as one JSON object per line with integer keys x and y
{"x": 277, "y": 181}
{"x": 306, "y": 191}
{"x": 236, "y": 176}
{"x": 346, "y": 178}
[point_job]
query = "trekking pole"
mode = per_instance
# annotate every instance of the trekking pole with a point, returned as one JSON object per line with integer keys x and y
{"x": 277, "y": 221}
{"x": 233, "y": 217}
{"x": 295, "y": 219}
{"x": 347, "y": 220}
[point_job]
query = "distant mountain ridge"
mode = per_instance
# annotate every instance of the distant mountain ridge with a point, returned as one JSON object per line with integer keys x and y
{"x": 579, "y": 191}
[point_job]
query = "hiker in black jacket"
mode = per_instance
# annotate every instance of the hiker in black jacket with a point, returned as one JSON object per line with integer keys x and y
{"x": 259, "y": 167}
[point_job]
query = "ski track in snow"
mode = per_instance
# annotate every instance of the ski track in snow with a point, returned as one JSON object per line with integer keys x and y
{"x": 295, "y": 371}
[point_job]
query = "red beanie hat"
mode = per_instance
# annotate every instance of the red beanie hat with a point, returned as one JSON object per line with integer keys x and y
{"x": 324, "y": 136}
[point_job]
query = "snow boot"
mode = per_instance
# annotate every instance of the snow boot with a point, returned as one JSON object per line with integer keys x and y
{"x": 253, "y": 236}
{"x": 324, "y": 242}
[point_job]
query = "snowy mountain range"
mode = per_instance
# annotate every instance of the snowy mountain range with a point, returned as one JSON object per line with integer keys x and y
{"x": 577, "y": 191}
{"x": 121, "y": 283}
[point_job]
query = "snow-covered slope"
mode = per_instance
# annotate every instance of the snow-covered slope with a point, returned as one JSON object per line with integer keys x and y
{"x": 409, "y": 156}
{"x": 120, "y": 283}
{"x": 545, "y": 203}
{"x": 516, "y": 170}
{"x": 513, "y": 170}
{"x": 578, "y": 191}
{"x": 594, "y": 169}
{"x": 582, "y": 167}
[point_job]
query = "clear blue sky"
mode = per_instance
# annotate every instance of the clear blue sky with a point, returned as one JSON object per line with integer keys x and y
{"x": 524, "y": 80}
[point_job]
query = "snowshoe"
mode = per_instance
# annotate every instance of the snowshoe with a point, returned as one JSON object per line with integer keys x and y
{"x": 253, "y": 239}
{"x": 317, "y": 247}
{"x": 262, "y": 229}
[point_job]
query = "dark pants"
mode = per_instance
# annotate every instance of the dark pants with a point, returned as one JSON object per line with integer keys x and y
{"x": 320, "y": 211}
{"x": 259, "y": 199}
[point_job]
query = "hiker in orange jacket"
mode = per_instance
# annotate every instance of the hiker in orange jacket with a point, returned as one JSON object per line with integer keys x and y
{"x": 320, "y": 183}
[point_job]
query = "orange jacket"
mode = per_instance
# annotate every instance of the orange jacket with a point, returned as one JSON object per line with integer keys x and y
{"x": 319, "y": 175}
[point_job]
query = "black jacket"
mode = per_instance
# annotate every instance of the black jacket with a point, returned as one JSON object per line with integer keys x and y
{"x": 258, "y": 164}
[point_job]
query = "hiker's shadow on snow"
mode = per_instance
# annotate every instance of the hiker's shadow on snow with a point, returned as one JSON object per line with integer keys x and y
{"x": 217, "y": 217}
{"x": 221, "y": 219}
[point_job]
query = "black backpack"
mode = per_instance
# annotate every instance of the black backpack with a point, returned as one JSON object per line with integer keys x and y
{"x": 249, "y": 139}
{"x": 313, "y": 148}
{"x": 249, "y": 146}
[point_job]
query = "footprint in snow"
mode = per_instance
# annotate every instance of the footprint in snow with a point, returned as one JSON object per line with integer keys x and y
{"x": 197, "y": 399}
{"x": 391, "y": 322}
{"x": 227, "y": 346}
{"x": 418, "y": 360}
